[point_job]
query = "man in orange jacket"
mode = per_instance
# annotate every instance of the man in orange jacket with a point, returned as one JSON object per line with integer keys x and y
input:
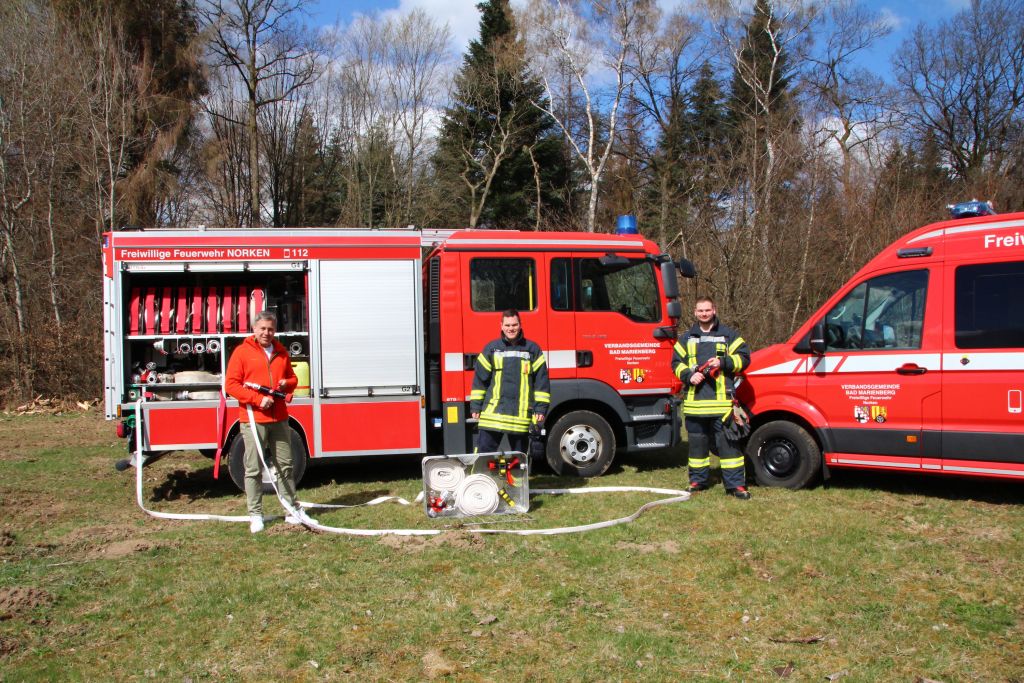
{"x": 262, "y": 361}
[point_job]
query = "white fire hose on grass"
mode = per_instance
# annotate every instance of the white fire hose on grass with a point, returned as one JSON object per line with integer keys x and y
{"x": 673, "y": 496}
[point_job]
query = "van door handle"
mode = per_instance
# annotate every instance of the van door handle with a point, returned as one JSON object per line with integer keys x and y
{"x": 584, "y": 359}
{"x": 911, "y": 369}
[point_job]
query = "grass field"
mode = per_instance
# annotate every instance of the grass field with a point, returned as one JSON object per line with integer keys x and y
{"x": 872, "y": 578}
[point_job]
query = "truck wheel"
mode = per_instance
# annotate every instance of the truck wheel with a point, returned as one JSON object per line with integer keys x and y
{"x": 580, "y": 444}
{"x": 784, "y": 455}
{"x": 236, "y": 467}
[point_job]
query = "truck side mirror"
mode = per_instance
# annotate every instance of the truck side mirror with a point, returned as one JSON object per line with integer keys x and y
{"x": 686, "y": 268}
{"x": 674, "y": 308}
{"x": 668, "y": 279}
{"x": 817, "y": 340}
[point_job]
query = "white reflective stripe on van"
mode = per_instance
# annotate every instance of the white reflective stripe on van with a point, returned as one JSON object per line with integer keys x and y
{"x": 997, "y": 360}
{"x": 786, "y": 368}
{"x": 883, "y": 362}
{"x": 982, "y": 470}
{"x": 999, "y": 225}
{"x": 559, "y": 360}
{"x": 869, "y": 362}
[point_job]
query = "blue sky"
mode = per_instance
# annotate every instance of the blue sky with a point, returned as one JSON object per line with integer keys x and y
{"x": 463, "y": 17}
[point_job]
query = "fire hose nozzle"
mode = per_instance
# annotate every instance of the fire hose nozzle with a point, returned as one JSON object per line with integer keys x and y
{"x": 706, "y": 369}
{"x": 266, "y": 391}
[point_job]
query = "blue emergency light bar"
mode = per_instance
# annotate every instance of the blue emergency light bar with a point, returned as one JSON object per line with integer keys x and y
{"x": 971, "y": 209}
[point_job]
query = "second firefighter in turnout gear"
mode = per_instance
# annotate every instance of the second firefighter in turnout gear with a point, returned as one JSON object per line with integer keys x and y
{"x": 707, "y": 358}
{"x": 511, "y": 390}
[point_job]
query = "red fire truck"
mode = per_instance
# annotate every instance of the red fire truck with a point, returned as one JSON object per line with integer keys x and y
{"x": 383, "y": 327}
{"x": 916, "y": 364}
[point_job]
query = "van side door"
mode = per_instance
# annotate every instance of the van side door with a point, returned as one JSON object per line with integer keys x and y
{"x": 983, "y": 370}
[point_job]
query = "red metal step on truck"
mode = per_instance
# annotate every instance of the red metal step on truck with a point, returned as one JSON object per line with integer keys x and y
{"x": 383, "y": 327}
{"x": 916, "y": 364}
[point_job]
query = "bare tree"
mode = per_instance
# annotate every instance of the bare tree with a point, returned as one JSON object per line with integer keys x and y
{"x": 113, "y": 87}
{"x": 272, "y": 55}
{"x": 667, "y": 61}
{"x": 855, "y": 104}
{"x": 964, "y": 82}
{"x": 581, "y": 49}
{"x": 387, "y": 83}
{"x": 224, "y": 158}
{"x": 415, "y": 53}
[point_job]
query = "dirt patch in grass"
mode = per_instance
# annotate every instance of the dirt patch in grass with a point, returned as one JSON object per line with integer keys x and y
{"x": 124, "y": 548}
{"x": 435, "y": 665}
{"x": 671, "y": 547}
{"x": 6, "y": 539}
{"x": 94, "y": 536}
{"x": 17, "y": 599}
{"x": 109, "y": 541}
{"x": 454, "y": 540}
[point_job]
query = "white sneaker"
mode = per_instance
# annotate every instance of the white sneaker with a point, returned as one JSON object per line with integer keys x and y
{"x": 255, "y": 524}
{"x": 300, "y": 517}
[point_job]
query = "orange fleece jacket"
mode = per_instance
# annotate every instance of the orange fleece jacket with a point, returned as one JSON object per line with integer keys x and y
{"x": 249, "y": 363}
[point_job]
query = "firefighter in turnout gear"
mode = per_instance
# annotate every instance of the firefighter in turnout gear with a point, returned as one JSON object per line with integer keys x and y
{"x": 511, "y": 390}
{"x": 706, "y": 359}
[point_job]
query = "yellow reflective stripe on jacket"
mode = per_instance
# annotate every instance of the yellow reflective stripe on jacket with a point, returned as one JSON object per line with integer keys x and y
{"x": 542, "y": 396}
{"x": 499, "y": 369}
{"x": 482, "y": 359}
{"x": 707, "y": 408}
{"x": 524, "y": 387}
{"x": 477, "y": 394}
{"x": 691, "y": 361}
{"x": 504, "y": 423}
{"x": 737, "y": 360}
{"x": 678, "y": 348}
{"x": 541, "y": 360}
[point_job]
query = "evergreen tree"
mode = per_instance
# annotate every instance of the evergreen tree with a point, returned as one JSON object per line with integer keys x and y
{"x": 762, "y": 76}
{"x": 693, "y": 145}
{"x": 495, "y": 145}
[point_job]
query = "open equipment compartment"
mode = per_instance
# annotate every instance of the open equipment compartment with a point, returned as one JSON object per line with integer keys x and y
{"x": 182, "y": 320}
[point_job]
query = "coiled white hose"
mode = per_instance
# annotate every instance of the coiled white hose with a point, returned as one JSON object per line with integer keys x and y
{"x": 442, "y": 476}
{"x": 477, "y": 495}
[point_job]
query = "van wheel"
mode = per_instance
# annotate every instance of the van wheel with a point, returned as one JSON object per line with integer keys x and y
{"x": 784, "y": 455}
{"x": 581, "y": 444}
{"x": 236, "y": 466}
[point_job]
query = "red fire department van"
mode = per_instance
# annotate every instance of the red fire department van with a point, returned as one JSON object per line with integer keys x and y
{"x": 383, "y": 327}
{"x": 916, "y": 364}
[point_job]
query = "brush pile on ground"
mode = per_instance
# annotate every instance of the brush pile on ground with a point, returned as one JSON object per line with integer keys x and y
{"x": 51, "y": 406}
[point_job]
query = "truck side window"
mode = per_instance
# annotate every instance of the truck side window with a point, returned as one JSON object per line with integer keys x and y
{"x": 989, "y": 312}
{"x": 885, "y": 312}
{"x": 500, "y": 283}
{"x": 561, "y": 284}
{"x": 630, "y": 289}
